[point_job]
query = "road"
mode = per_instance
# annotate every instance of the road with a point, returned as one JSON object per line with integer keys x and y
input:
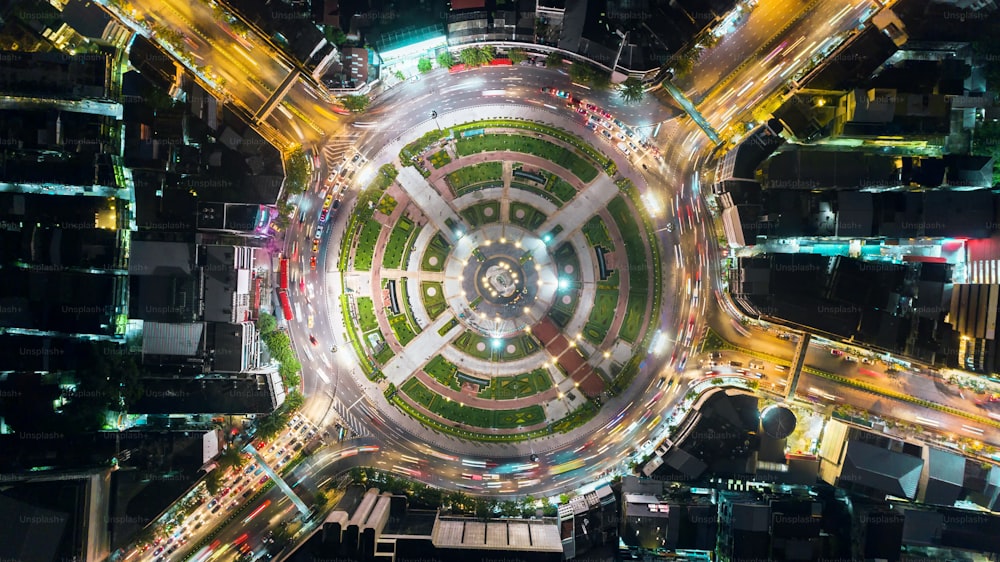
{"x": 630, "y": 424}
{"x": 241, "y": 69}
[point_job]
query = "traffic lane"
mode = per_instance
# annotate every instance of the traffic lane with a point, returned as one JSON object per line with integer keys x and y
{"x": 733, "y": 48}
{"x": 818, "y": 26}
{"x": 315, "y": 469}
{"x": 888, "y": 408}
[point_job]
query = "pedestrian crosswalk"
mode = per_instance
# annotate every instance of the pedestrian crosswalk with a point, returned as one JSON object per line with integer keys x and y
{"x": 337, "y": 148}
{"x": 353, "y": 424}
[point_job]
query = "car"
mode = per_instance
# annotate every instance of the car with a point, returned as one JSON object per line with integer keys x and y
{"x": 312, "y": 339}
{"x": 312, "y": 263}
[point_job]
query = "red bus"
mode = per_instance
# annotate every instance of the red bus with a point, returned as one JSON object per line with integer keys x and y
{"x": 283, "y": 274}
{"x": 286, "y": 306}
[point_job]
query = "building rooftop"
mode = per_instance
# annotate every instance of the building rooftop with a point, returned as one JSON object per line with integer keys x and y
{"x": 507, "y": 535}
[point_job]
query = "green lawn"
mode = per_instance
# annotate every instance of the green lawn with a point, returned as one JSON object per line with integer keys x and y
{"x": 366, "y": 314}
{"x": 635, "y": 249}
{"x": 438, "y": 248}
{"x": 537, "y": 191}
{"x": 434, "y": 304}
{"x": 601, "y": 316}
{"x": 397, "y": 243}
{"x": 463, "y": 178}
{"x": 597, "y": 233}
{"x": 383, "y": 177}
{"x": 410, "y": 246}
{"x": 467, "y": 415}
{"x": 635, "y": 308}
{"x": 401, "y": 328}
{"x": 414, "y": 149}
{"x": 518, "y": 386}
{"x": 561, "y": 188}
{"x": 383, "y": 357}
{"x": 568, "y": 138}
{"x": 439, "y": 159}
{"x": 482, "y": 213}
{"x": 386, "y": 205}
{"x": 525, "y": 215}
{"x": 443, "y": 371}
{"x": 562, "y": 311}
{"x": 576, "y": 164}
{"x": 407, "y": 306}
{"x": 470, "y": 341}
{"x": 365, "y": 251}
{"x": 448, "y": 326}
{"x": 635, "y": 243}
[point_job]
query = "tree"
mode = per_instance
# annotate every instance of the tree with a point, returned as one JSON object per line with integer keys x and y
{"x": 487, "y": 54}
{"x": 293, "y": 401}
{"x": 424, "y": 65}
{"x": 238, "y": 27}
{"x": 469, "y": 56}
{"x": 631, "y": 90}
{"x": 335, "y": 35}
{"x": 213, "y": 482}
{"x": 517, "y": 56}
{"x": 266, "y": 323}
{"x": 445, "y": 60}
{"x": 297, "y": 171}
{"x": 231, "y": 458}
{"x": 356, "y": 103}
{"x": 554, "y": 60}
{"x": 581, "y": 73}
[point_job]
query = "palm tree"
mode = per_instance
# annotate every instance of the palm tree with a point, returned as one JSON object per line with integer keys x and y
{"x": 487, "y": 54}
{"x": 631, "y": 90}
{"x": 470, "y": 56}
{"x": 445, "y": 59}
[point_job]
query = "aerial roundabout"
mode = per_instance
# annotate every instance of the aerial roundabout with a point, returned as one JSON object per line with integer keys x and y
{"x": 500, "y": 281}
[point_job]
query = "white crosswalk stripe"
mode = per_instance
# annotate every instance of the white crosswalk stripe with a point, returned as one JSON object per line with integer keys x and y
{"x": 355, "y": 425}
